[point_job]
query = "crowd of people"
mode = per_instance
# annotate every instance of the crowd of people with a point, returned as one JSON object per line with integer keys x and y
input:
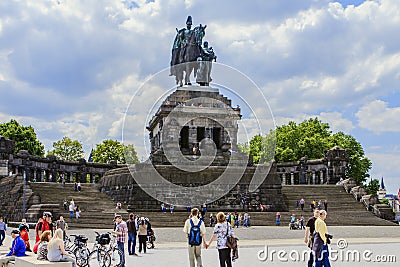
{"x": 49, "y": 241}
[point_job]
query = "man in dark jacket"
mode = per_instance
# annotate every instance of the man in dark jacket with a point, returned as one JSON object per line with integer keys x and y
{"x": 132, "y": 232}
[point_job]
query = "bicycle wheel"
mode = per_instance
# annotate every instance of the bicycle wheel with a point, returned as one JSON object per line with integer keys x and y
{"x": 98, "y": 258}
{"x": 116, "y": 257}
{"x": 82, "y": 256}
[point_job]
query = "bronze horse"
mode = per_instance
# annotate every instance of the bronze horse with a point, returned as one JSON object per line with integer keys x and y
{"x": 185, "y": 55}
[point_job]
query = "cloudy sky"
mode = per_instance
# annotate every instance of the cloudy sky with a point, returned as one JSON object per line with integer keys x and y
{"x": 70, "y": 67}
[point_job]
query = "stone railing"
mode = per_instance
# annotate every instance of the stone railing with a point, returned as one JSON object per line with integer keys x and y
{"x": 358, "y": 192}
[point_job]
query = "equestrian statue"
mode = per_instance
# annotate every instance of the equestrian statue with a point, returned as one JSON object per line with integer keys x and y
{"x": 189, "y": 56}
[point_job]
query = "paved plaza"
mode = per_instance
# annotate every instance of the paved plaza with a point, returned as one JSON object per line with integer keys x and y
{"x": 277, "y": 246}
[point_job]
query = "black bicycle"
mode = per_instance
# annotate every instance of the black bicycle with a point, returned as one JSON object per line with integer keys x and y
{"x": 105, "y": 252}
{"x": 79, "y": 248}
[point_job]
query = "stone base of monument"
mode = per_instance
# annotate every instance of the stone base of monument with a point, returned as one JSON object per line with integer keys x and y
{"x": 120, "y": 185}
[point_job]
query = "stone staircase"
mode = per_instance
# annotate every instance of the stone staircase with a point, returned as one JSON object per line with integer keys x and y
{"x": 343, "y": 209}
{"x": 97, "y": 208}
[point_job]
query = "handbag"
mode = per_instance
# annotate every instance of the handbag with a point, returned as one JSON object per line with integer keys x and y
{"x": 231, "y": 242}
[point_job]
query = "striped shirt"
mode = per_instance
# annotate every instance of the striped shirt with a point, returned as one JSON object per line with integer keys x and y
{"x": 123, "y": 228}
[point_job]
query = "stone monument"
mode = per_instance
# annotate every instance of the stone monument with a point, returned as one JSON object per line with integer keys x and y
{"x": 193, "y": 141}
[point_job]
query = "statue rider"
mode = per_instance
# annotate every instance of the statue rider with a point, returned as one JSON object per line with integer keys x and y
{"x": 186, "y": 50}
{"x": 186, "y": 33}
{"x": 205, "y": 61}
{"x": 181, "y": 41}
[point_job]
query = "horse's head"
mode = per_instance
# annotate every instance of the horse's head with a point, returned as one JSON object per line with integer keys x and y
{"x": 199, "y": 32}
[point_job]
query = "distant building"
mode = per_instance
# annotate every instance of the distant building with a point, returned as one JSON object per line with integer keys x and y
{"x": 382, "y": 190}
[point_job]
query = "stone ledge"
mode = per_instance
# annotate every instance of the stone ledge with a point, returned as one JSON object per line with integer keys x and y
{"x": 29, "y": 261}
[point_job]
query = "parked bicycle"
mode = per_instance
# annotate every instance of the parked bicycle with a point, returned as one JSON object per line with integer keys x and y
{"x": 79, "y": 248}
{"x": 105, "y": 252}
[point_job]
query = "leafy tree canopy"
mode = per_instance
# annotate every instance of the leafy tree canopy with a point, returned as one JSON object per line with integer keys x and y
{"x": 24, "y": 137}
{"x": 373, "y": 187}
{"x": 113, "y": 150}
{"x": 67, "y": 149}
{"x": 310, "y": 139}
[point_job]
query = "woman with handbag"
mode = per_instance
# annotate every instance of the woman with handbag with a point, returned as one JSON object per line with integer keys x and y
{"x": 222, "y": 231}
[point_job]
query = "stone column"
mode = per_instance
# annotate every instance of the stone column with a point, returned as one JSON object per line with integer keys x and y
{"x": 283, "y": 178}
{"x": 322, "y": 177}
{"x": 42, "y": 172}
{"x": 34, "y": 174}
{"x": 327, "y": 174}
{"x": 292, "y": 178}
{"x": 192, "y": 136}
{"x": 314, "y": 177}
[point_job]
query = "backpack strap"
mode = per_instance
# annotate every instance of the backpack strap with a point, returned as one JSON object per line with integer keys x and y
{"x": 191, "y": 222}
{"x": 200, "y": 221}
{"x": 227, "y": 229}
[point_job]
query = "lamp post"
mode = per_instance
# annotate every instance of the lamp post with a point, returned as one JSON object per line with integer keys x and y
{"x": 24, "y": 204}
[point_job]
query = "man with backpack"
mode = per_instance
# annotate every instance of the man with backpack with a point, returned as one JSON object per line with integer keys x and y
{"x": 195, "y": 231}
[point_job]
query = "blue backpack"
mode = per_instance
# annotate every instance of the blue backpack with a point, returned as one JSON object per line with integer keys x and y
{"x": 195, "y": 238}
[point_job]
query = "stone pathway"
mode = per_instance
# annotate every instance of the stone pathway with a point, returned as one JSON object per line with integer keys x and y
{"x": 171, "y": 248}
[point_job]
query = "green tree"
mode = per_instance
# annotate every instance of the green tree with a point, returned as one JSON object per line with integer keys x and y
{"x": 256, "y": 148}
{"x": 67, "y": 149}
{"x": 130, "y": 154}
{"x": 24, "y": 137}
{"x": 359, "y": 165}
{"x": 373, "y": 187}
{"x": 113, "y": 150}
{"x": 309, "y": 138}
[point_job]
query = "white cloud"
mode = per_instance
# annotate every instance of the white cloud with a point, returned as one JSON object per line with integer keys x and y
{"x": 70, "y": 67}
{"x": 386, "y": 165}
{"x": 377, "y": 117}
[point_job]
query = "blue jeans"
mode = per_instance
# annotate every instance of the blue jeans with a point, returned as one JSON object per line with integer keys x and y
{"x": 131, "y": 243}
{"x": 324, "y": 259}
{"x": 311, "y": 260}
{"x": 121, "y": 247}
{"x": 71, "y": 214}
{"x": 2, "y": 236}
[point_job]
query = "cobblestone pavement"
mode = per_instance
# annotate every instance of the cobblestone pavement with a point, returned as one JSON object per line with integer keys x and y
{"x": 277, "y": 246}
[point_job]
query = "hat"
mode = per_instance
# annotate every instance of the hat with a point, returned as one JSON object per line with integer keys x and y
{"x": 47, "y": 214}
{"x": 15, "y": 232}
{"x": 117, "y": 216}
{"x": 189, "y": 20}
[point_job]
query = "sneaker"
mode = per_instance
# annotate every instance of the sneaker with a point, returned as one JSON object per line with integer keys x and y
{"x": 134, "y": 254}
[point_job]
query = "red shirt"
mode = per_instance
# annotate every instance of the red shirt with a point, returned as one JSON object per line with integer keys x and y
{"x": 41, "y": 226}
{"x": 24, "y": 236}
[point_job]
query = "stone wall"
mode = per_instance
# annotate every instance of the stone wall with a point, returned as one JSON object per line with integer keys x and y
{"x": 48, "y": 168}
{"x": 12, "y": 197}
{"x": 121, "y": 186}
